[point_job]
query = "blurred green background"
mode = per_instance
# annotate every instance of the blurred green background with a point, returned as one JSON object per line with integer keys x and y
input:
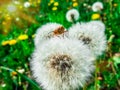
{"x": 19, "y": 20}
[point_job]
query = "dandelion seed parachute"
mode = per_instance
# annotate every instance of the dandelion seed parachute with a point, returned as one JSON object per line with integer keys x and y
{"x": 45, "y": 32}
{"x": 92, "y": 34}
{"x": 72, "y": 15}
{"x": 62, "y": 64}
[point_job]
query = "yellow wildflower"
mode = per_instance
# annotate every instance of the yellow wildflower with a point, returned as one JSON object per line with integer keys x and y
{"x": 12, "y": 42}
{"x": 5, "y": 43}
{"x": 13, "y": 73}
{"x": 73, "y": 0}
{"x": 95, "y": 16}
{"x": 115, "y": 5}
{"x": 8, "y": 18}
{"x": 75, "y": 4}
{"x": 23, "y": 37}
{"x": 20, "y": 7}
{"x": 51, "y": 1}
{"x": 54, "y": 8}
{"x": 56, "y": 3}
{"x": 39, "y": 1}
{"x": 4, "y": 23}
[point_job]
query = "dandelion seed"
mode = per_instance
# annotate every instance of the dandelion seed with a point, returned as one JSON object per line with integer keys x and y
{"x": 17, "y": 19}
{"x": 72, "y": 15}
{"x": 21, "y": 71}
{"x": 47, "y": 31}
{"x": 62, "y": 64}
{"x": 92, "y": 34}
{"x": 97, "y": 6}
{"x": 3, "y": 85}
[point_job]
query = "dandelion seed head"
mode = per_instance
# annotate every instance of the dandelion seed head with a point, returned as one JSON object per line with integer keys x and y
{"x": 62, "y": 64}
{"x": 97, "y": 6}
{"x": 46, "y": 32}
{"x": 98, "y": 25}
{"x": 11, "y": 8}
{"x": 72, "y": 15}
{"x": 92, "y": 34}
{"x": 26, "y": 4}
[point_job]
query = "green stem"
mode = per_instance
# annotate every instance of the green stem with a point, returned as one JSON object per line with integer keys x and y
{"x": 110, "y": 2}
{"x": 96, "y": 80}
{"x": 23, "y": 76}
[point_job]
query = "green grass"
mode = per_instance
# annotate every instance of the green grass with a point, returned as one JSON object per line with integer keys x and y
{"x": 18, "y": 56}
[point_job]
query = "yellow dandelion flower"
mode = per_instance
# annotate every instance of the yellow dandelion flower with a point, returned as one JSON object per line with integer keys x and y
{"x": 12, "y": 42}
{"x": 56, "y": 3}
{"x": 73, "y": 0}
{"x": 13, "y": 73}
{"x": 39, "y": 1}
{"x": 4, "y": 23}
{"x": 75, "y": 4}
{"x": 54, "y": 8}
{"x": 115, "y": 5}
{"x": 23, "y": 37}
{"x": 51, "y": 1}
{"x": 20, "y": 7}
{"x": 4, "y": 43}
{"x": 95, "y": 16}
{"x": 8, "y": 18}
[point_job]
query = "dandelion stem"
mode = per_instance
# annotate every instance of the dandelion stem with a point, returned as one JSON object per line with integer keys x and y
{"x": 115, "y": 73}
{"x": 73, "y": 18}
{"x": 110, "y": 2}
{"x": 96, "y": 80}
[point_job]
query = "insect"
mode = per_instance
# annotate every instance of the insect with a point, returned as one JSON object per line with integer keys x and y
{"x": 59, "y": 30}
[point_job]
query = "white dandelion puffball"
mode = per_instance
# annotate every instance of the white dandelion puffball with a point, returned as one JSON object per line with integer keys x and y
{"x": 47, "y": 31}
{"x": 62, "y": 64}
{"x": 97, "y": 6}
{"x": 72, "y": 15}
{"x": 92, "y": 34}
{"x": 26, "y": 4}
{"x": 11, "y": 8}
{"x": 97, "y": 25}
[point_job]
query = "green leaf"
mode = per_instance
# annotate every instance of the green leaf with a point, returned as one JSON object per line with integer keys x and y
{"x": 23, "y": 76}
{"x": 116, "y": 60}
